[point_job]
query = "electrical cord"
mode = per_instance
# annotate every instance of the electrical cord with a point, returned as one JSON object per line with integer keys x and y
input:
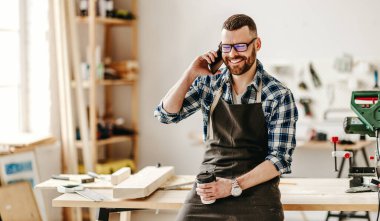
{"x": 377, "y": 158}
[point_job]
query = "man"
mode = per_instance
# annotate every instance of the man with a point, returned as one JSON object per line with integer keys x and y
{"x": 249, "y": 128}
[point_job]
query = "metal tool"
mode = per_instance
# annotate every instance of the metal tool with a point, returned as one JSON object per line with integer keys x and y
{"x": 85, "y": 192}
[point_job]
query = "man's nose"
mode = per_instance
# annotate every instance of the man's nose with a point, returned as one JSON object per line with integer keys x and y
{"x": 233, "y": 52}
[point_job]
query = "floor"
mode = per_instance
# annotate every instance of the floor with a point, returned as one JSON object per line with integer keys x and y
{"x": 168, "y": 215}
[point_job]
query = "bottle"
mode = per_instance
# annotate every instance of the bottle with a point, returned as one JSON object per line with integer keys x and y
{"x": 206, "y": 178}
{"x": 109, "y": 8}
{"x": 83, "y": 7}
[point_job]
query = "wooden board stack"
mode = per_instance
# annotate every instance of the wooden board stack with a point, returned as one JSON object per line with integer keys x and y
{"x": 143, "y": 183}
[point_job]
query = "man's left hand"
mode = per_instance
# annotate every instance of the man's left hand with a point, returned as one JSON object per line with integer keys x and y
{"x": 215, "y": 190}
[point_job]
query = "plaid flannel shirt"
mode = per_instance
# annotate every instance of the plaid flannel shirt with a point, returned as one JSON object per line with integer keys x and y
{"x": 278, "y": 105}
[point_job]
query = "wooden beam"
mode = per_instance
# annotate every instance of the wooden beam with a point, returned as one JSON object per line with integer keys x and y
{"x": 143, "y": 183}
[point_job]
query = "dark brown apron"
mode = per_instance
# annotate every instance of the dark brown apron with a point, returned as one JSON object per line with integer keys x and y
{"x": 236, "y": 143}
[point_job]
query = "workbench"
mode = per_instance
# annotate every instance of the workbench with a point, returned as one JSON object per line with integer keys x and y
{"x": 298, "y": 194}
{"x": 357, "y": 147}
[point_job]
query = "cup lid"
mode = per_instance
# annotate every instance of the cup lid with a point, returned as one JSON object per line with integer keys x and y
{"x": 206, "y": 177}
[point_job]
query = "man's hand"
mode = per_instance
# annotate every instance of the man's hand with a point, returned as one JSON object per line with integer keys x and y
{"x": 200, "y": 65}
{"x": 211, "y": 191}
{"x": 173, "y": 100}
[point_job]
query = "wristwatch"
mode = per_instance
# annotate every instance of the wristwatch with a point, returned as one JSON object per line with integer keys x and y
{"x": 236, "y": 189}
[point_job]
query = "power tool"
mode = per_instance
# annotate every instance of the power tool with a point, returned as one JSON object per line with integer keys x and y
{"x": 367, "y": 108}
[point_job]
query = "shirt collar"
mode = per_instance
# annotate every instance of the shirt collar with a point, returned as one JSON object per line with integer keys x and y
{"x": 256, "y": 79}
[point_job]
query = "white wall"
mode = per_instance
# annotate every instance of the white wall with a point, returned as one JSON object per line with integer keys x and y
{"x": 172, "y": 33}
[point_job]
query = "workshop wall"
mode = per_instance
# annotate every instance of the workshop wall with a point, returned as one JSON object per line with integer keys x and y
{"x": 294, "y": 32}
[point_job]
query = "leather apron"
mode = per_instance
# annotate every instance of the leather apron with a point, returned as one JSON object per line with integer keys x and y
{"x": 237, "y": 142}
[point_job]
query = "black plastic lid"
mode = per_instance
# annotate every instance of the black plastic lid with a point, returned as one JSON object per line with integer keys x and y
{"x": 206, "y": 177}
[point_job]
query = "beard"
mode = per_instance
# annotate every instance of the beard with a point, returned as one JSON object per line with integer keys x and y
{"x": 240, "y": 69}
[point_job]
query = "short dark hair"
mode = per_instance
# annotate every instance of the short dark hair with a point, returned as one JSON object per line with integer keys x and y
{"x": 238, "y": 21}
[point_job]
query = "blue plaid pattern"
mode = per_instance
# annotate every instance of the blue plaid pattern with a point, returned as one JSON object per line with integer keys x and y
{"x": 278, "y": 104}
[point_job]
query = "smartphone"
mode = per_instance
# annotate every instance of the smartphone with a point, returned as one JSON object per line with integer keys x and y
{"x": 214, "y": 66}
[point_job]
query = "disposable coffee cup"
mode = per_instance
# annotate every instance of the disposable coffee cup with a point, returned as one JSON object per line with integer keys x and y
{"x": 206, "y": 178}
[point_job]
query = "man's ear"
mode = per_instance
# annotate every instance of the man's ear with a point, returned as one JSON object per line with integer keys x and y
{"x": 258, "y": 44}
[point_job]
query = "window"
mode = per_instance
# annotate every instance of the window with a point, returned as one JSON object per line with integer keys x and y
{"x": 12, "y": 65}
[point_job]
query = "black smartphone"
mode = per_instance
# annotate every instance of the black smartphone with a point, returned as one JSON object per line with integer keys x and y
{"x": 214, "y": 66}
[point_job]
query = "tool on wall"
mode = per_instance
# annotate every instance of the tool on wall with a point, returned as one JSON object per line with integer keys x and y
{"x": 314, "y": 76}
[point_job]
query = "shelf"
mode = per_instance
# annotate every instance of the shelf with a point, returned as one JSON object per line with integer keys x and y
{"x": 107, "y": 21}
{"x": 111, "y": 166}
{"x": 111, "y": 140}
{"x": 106, "y": 83}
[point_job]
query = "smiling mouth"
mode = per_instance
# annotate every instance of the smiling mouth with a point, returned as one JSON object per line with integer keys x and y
{"x": 236, "y": 60}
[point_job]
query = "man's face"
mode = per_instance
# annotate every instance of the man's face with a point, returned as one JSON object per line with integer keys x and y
{"x": 239, "y": 63}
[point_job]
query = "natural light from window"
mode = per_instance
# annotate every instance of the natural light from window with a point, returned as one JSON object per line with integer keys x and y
{"x": 10, "y": 76}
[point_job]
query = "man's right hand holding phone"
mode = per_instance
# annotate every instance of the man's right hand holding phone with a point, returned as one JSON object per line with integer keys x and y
{"x": 202, "y": 64}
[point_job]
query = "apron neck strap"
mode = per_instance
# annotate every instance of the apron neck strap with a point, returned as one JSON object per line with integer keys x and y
{"x": 258, "y": 94}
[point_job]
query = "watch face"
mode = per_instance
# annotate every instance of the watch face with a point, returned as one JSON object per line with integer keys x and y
{"x": 236, "y": 191}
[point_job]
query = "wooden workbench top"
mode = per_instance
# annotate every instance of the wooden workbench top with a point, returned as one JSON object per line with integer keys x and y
{"x": 297, "y": 194}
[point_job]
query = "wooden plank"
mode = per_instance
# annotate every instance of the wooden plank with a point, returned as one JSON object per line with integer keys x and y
{"x": 18, "y": 202}
{"x": 120, "y": 175}
{"x": 143, "y": 183}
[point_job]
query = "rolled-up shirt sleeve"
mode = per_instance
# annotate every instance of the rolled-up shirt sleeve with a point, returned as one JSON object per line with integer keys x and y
{"x": 191, "y": 104}
{"x": 282, "y": 132}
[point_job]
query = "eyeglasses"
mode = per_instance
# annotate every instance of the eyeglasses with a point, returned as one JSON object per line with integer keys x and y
{"x": 240, "y": 47}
